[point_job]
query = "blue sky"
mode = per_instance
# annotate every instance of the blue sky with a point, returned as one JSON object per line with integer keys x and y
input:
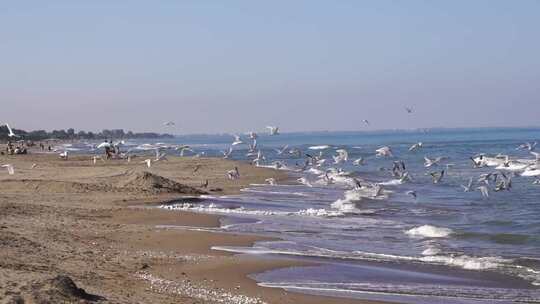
{"x": 231, "y": 66}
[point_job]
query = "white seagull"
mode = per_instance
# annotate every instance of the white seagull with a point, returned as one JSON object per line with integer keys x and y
{"x": 468, "y": 187}
{"x": 273, "y": 130}
{"x": 64, "y": 155}
{"x": 9, "y": 168}
{"x": 271, "y": 181}
{"x": 484, "y": 190}
{"x": 10, "y": 132}
{"x": 148, "y": 162}
{"x": 237, "y": 140}
{"x": 384, "y": 152}
{"x": 169, "y": 124}
{"x": 359, "y": 162}
{"x": 416, "y": 146}
{"x": 282, "y": 150}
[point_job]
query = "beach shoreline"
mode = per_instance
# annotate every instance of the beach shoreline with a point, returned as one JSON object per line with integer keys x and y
{"x": 77, "y": 219}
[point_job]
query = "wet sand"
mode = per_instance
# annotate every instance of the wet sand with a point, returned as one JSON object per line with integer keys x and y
{"x": 91, "y": 223}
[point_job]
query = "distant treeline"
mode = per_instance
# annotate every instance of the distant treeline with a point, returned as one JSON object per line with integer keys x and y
{"x": 71, "y": 134}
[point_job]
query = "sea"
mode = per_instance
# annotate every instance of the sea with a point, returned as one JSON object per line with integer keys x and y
{"x": 440, "y": 245}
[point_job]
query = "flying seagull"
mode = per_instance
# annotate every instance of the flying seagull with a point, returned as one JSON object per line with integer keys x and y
{"x": 468, "y": 187}
{"x": 409, "y": 109}
{"x": 384, "y": 151}
{"x": 169, "y": 124}
{"x": 9, "y": 168}
{"x": 237, "y": 140}
{"x": 412, "y": 193}
{"x": 484, "y": 190}
{"x": 366, "y": 122}
{"x": 437, "y": 176}
{"x": 416, "y": 146}
{"x": 10, "y": 132}
{"x": 273, "y": 130}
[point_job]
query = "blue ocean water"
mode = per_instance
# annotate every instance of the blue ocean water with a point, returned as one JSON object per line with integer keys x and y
{"x": 444, "y": 246}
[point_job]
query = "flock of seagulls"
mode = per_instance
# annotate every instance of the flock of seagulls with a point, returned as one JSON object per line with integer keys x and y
{"x": 505, "y": 168}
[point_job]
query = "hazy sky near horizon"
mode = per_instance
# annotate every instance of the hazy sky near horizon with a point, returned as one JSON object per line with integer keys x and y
{"x": 234, "y": 66}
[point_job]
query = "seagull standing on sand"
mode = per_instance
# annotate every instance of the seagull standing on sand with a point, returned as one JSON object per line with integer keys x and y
{"x": 273, "y": 130}
{"x": 148, "y": 162}
{"x": 9, "y": 168}
{"x": 64, "y": 155}
{"x": 33, "y": 166}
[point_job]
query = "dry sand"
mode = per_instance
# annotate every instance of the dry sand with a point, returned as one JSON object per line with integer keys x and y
{"x": 69, "y": 234}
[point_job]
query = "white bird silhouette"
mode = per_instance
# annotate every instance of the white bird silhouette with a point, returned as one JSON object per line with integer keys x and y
{"x": 416, "y": 146}
{"x": 484, "y": 190}
{"x": 271, "y": 181}
{"x": 273, "y": 130}
{"x": 148, "y": 162}
{"x": 10, "y": 168}
{"x": 359, "y": 162}
{"x": 227, "y": 153}
{"x": 384, "y": 151}
{"x": 253, "y": 135}
{"x": 64, "y": 155}
{"x": 468, "y": 187}
{"x": 237, "y": 140}
{"x": 304, "y": 181}
{"x": 10, "y": 132}
{"x": 282, "y": 150}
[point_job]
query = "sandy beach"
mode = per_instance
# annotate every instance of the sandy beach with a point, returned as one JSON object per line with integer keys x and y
{"x": 74, "y": 222}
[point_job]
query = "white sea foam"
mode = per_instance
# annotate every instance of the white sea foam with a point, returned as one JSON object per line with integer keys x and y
{"x": 429, "y": 231}
{"x": 431, "y": 251}
{"x": 467, "y": 262}
{"x": 321, "y": 147}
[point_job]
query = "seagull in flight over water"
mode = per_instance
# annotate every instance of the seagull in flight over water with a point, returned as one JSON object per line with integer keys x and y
{"x": 273, "y": 130}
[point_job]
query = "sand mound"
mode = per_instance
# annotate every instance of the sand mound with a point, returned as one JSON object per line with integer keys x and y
{"x": 148, "y": 182}
{"x": 52, "y": 186}
{"x": 60, "y": 289}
